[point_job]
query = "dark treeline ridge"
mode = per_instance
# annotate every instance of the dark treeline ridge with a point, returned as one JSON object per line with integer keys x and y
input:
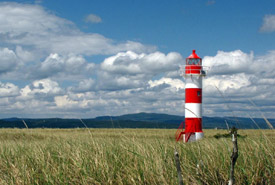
{"x": 140, "y": 120}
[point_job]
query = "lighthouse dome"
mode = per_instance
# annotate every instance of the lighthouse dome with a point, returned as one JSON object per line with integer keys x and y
{"x": 193, "y": 55}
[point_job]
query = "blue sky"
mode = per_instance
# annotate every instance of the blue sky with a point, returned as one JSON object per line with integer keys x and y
{"x": 92, "y": 58}
{"x": 176, "y": 25}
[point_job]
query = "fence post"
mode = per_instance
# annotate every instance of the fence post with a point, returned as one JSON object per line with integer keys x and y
{"x": 178, "y": 167}
{"x": 234, "y": 155}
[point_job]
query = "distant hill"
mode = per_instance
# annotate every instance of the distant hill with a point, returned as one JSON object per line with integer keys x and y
{"x": 139, "y": 120}
{"x": 148, "y": 117}
{"x": 208, "y": 122}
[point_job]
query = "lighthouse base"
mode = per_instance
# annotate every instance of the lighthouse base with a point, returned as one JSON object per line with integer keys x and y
{"x": 191, "y": 137}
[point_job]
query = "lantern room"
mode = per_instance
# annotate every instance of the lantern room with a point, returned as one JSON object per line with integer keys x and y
{"x": 193, "y": 59}
{"x": 193, "y": 64}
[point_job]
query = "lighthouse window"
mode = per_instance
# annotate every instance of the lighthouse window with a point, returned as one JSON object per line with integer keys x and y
{"x": 198, "y": 93}
{"x": 197, "y": 61}
{"x": 193, "y": 61}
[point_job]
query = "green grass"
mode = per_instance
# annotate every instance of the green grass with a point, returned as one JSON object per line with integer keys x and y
{"x": 131, "y": 156}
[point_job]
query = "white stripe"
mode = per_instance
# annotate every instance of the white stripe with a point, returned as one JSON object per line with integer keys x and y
{"x": 193, "y": 110}
{"x": 191, "y": 82}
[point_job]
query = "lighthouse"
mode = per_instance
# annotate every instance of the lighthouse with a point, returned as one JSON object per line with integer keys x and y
{"x": 193, "y": 73}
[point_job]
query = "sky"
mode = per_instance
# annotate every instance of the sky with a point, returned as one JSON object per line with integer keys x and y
{"x": 82, "y": 59}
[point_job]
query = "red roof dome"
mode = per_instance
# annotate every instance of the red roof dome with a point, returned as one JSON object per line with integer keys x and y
{"x": 193, "y": 55}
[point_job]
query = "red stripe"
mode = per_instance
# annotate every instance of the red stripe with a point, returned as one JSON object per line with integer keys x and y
{"x": 192, "y": 69}
{"x": 193, "y": 125}
{"x": 193, "y": 95}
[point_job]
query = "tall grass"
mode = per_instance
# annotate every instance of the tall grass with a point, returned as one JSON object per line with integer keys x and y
{"x": 130, "y": 156}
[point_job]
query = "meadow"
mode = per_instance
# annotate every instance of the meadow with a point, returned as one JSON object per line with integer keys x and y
{"x": 131, "y": 156}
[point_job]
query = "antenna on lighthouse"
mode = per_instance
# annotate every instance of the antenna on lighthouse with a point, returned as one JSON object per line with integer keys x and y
{"x": 193, "y": 72}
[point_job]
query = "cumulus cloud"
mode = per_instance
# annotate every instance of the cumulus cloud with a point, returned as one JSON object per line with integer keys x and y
{"x": 56, "y": 65}
{"x": 47, "y": 70}
{"x": 24, "y": 55}
{"x": 228, "y": 62}
{"x": 226, "y": 82}
{"x": 40, "y": 89}
{"x": 268, "y": 23}
{"x": 234, "y": 62}
{"x": 84, "y": 86}
{"x": 262, "y": 65}
{"x": 21, "y": 20}
{"x": 173, "y": 83}
{"x": 132, "y": 70}
{"x": 33, "y": 34}
{"x": 92, "y": 18}
{"x": 8, "y": 60}
{"x": 8, "y": 90}
{"x": 133, "y": 63}
{"x": 239, "y": 77}
{"x": 34, "y": 100}
{"x": 32, "y": 26}
{"x": 122, "y": 101}
{"x": 127, "y": 89}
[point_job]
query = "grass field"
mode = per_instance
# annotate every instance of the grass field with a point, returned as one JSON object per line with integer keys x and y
{"x": 131, "y": 156}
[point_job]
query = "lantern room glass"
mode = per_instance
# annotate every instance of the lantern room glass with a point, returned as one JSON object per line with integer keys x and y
{"x": 193, "y": 61}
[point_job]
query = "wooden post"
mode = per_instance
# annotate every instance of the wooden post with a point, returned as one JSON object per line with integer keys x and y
{"x": 234, "y": 155}
{"x": 178, "y": 167}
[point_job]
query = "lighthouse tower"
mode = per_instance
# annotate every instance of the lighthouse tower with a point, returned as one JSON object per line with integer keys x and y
{"x": 193, "y": 73}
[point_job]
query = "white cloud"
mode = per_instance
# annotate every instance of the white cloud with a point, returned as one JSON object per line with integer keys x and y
{"x": 8, "y": 90}
{"x": 92, "y": 18}
{"x": 228, "y": 62}
{"x": 64, "y": 101}
{"x": 32, "y": 26}
{"x": 239, "y": 77}
{"x": 262, "y": 65}
{"x": 128, "y": 82}
{"x": 44, "y": 88}
{"x": 231, "y": 71}
{"x": 132, "y": 63}
{"x": 226, "y": 82}
{"x": 132, "y": 70}
{"x": 268, "y": 24}
{"x": 8, "y": 60}
{"x": 24, "y": 55}
{"x": 62, "y": 80}
{"x": 56, "y": 65}
{"x": 173, "y": 83}
{"x": 84, "y": 86}
{"x": 116, "y": 91}
{"x": 34, "y": 100}
{"x": 20, "y": 20}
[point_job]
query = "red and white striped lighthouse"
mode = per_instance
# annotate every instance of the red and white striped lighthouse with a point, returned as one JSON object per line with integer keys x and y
{"x": 193, "y": 73}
